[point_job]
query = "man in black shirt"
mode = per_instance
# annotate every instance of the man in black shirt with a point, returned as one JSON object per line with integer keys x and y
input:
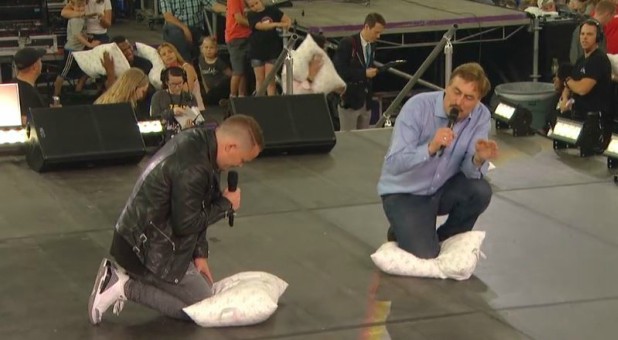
{"x": 590, "y": 84}
{"x": 29, "y": 65}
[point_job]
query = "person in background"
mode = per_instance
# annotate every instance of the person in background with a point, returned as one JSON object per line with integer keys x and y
{"x": 237, "y": 34}
{"x": 98, "y": 15}
{"x": 184, "y": 23}
{"x": 265, "y": 45}
{"x": 29, "y": 66}
{"x": 354, "y": 63}
{"x": 130, "y": 87}
{"x": 216, "y": 73}
{"x": 170, "y": 56}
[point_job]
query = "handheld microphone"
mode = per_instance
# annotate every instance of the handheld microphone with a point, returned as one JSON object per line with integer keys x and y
{"x": 232, "y": 184}
{"x": 452, "y": 118}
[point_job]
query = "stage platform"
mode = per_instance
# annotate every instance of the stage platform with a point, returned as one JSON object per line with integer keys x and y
{"x": 342, "y": 18}
{"x": 550, "y": 272}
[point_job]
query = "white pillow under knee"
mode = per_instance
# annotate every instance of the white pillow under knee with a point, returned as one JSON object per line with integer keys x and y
{"x": 457, "y": 259}
{"x": 243, "y": 299}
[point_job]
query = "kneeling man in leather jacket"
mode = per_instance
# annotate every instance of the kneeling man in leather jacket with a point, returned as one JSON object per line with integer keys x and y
{"x": 160, "y": 237}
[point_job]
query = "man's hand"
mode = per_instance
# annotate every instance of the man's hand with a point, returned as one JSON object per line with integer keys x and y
{"x": 201, "y": 263}
{"x": 371, "y": 72}
{"x": 233, "y": 197}
{"x": 486, "y": 149}
{"x": 314, "y": 66}
{"x": 443, "y": 137}
{"x": 107, "y": 62}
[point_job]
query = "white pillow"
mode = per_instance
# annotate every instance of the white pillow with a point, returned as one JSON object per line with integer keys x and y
{"x": 613, "y": 59}
{"x": 91, "y": 61}
{"x": 395, "y": 261}
{"x": 240, "y": 300}
{"x": 457, "y": 259}
{"x": 326, "y": 80}
{"x": 150, "y": 53}
{"x": 460, "y": 253}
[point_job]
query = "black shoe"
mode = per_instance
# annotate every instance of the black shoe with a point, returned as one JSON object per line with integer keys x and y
{"x": 390, "y": 235}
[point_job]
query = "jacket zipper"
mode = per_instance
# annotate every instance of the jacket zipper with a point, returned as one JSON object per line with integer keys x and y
{"x": 164, "y": 235}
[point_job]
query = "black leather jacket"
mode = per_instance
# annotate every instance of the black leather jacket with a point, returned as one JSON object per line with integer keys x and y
{"x": 174, "y": 200}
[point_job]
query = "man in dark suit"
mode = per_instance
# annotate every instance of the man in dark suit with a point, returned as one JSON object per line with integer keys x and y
{"x": 354, "y": 63}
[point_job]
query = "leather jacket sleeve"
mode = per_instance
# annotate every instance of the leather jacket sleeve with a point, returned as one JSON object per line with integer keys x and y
{"x": 216, "y": 211}
{"x": 191, "y": 188}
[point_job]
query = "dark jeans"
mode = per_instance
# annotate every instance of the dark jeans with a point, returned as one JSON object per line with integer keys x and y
{"x": 413, "y": 217}
{"x": 174, "y": 35}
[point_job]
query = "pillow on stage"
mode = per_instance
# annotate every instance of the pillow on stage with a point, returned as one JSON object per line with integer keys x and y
{"x": 326, "y": 80}
{"x": 150, "y": 53}
{"x": 395, "y": 261}
{"x": 460, "y": 253}
{"x": 91, "y": 61}
{"x": 243, "y": 299}
{"x": 613, "y": 59}
{"x": 457, "y": 259}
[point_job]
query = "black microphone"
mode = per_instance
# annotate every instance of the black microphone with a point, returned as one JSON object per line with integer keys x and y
{"x": 452, "y": 118}
{"x": 232, "y": 184}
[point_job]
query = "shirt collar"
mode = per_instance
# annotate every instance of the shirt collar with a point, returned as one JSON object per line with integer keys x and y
{"x": 363, "y": 41}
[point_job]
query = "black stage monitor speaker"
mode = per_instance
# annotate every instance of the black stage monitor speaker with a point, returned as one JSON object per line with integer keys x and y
{"x": 83, "y": 134}
{"x": 291, "y": 124}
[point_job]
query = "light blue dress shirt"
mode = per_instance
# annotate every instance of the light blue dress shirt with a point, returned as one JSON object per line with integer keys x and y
{"x": 408, "y": 167}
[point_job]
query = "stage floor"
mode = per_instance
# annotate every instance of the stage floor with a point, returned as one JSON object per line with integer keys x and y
{"x": 342, "y": 18}
{"x": 550, "y": 272}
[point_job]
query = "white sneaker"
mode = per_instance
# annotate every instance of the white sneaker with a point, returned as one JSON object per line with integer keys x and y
{"x": 108, "y": 290}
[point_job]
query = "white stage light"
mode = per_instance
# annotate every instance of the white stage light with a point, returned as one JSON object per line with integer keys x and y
{"x": 151, "y": 126}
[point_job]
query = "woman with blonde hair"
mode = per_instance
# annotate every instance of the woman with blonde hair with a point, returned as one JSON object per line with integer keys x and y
{"x": 171, "y": 57}
{"x": 129, "y": 88}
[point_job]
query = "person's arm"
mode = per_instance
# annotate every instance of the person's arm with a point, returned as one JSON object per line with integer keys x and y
{"x": 407, "y": 150}
{"x": 235, "y": 9}
{"x": 84, "y": 41}
{"x": 472, "y": 165}
{"x": 110, "y": 72}
{"x": 69, "y": 13}
{"x": 581, "y": 87}
{"x": 106, "y": 19}
{"x": 169, "y": 18}
{"x": 191, "y": 76}
{"x": 189, "y": 214}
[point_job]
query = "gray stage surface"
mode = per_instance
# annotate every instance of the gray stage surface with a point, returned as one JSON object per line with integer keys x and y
{"x": 550, "y": 272}
{"x": 341, "y": 18}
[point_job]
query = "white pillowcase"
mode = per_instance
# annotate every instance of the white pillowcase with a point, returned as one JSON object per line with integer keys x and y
{"x": 243, "y": 299}
{"x": 459, "y": 254}
{"x": 395, "y": 261}
{"x": 91, "y": 61}
{"x": 457, "y": 259}
{"x": 326, "y": 80}
{"x": 150, "y": 53}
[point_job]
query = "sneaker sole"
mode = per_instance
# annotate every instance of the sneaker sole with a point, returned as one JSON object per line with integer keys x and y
{"x": 93, "y": 295}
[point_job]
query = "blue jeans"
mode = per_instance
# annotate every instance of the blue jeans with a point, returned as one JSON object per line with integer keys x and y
{"x": 174, "y": 35}
{"x": 413, "y": 217}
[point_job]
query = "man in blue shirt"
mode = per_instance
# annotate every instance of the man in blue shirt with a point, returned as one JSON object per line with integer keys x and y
{"x": 431, "y": 169}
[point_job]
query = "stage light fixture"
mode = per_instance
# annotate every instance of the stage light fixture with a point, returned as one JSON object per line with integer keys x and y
{"x": 569, "y": 133}
{"x": 516, "y": 117}
{"x": 13, "y": 136}
{"x": 612, "y": 153}
{"x": 10, "y": 116}
{"x": 150, "y": 126}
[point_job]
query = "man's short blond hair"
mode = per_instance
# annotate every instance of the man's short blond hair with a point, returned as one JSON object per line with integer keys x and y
{"x": 244, "y": 127}
{"x": 473, "y": 72}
